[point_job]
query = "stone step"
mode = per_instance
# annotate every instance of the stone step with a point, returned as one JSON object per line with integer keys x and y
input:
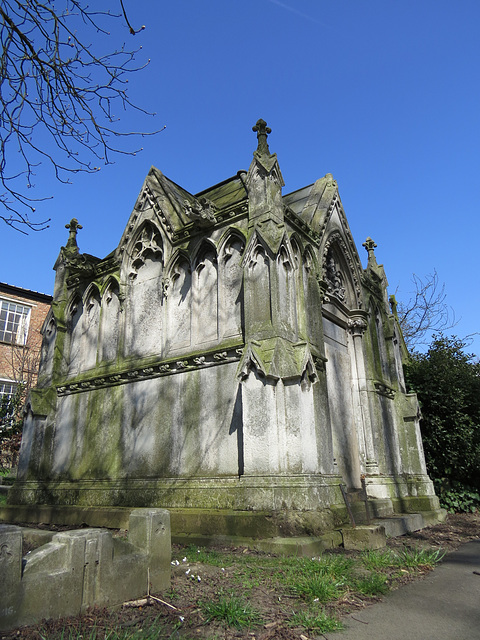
{"x": 402, "y": 523}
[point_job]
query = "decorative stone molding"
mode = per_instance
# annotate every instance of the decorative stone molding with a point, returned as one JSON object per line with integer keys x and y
{"x": 301, "y": 226}
{"x": 201, "y": 212}
{"x": 190, "y": 363}
{"x": 384, "y": 390}
{"x": 357, "y": 326}
{"x": 149, "y": 243}
{"x": 320, "y": 362}
{"x": 145, "y": 200}
{"x": 337, "y": 239}
{"x": 334, "y": 278}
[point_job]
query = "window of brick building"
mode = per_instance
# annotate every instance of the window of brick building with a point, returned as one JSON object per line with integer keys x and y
{"x": 14, "y": 321}
{"x": 7, "y": 408}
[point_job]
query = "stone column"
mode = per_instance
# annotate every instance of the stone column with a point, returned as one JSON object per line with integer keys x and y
{"x": 357, "y": 325}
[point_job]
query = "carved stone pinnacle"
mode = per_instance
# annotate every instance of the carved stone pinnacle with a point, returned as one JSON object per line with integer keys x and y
{"x": 73, "y": 226}
{"x": 262, "y": 132}
{"x": 370, "y": 245}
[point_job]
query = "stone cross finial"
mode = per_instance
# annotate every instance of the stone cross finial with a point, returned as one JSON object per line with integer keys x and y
{"x": 370, "y": 245}
{"x": 73, "y": 228}
{"x": 262, "y": 132}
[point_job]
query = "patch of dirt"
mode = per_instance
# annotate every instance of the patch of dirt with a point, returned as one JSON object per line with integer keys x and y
{"x": 178, "y": 614}
{"x": 449, "y": 535}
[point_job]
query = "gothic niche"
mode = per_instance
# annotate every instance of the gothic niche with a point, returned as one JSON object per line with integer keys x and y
{"x": 144, "y": 310}
{"x": 91, "y": 322}
{"x": 148, "y": 245}
{"x": 110, "y": 324}
{"x": 231, "y": 288}
{"x": 334, "y": 277}
{"x": 179, "y": 295}
{"x": 205, "y": 296}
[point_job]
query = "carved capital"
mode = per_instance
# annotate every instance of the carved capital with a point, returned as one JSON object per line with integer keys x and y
{"x": 357, "y": 326}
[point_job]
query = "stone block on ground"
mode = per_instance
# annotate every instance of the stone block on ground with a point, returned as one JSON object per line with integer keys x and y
{"x": 364, "y": 537}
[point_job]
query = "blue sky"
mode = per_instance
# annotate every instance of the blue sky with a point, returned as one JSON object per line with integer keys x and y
{"x": 385, "y": 95}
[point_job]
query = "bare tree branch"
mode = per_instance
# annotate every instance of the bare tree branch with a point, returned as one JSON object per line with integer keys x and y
{"x": 426, "y": 312}
{"x": 57, "y": 97}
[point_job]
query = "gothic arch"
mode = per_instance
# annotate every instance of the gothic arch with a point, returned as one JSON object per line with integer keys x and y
{"x": 310, "y": 260}
{"x": 178, "y": 291}
{"x": 297, "y": 248}
{"x": 379, "y": 347}
{"x": 231, "y": 235}
{"x": 172, "y": 265}
{"x": 205, "y": 294}
{"x": 74, "y": 317}
{"x": 110, "y": 319}
{"x": 49, "y": 334}
{"x": 147, "y": 243}
{"x": 230, "y": 287}
{"x": 144, "y": 293}
{"x": 340, "y": 272}
{"x": 205, "y": 248}
{"x": 92, "y": 291}
{"x": 91, "y": 325}
{"x": 110, "y": 284}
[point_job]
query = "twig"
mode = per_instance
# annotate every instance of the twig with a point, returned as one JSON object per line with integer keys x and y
{"x": 133, "y": 604}
{"x": 167, "y": 604}
{"x": 358, "y": 620}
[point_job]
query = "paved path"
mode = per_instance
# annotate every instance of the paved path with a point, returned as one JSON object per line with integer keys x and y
{"x": 443, "y": 606}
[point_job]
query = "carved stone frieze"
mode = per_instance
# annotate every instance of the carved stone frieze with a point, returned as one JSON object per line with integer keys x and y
{"x": 209, "y": 359}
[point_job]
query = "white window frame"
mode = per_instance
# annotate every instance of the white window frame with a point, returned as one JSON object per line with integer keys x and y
{"x": 7, "y": 381}
{"x": 21, "y": 336}
{"x": 13, "y": 388}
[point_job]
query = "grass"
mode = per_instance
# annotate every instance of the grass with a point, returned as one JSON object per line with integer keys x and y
{"x": 413, "y": 558}
{"x": 206, "y": 556}
{"x": 149, "y": 631}
{"x": 243, "y": 591}
{"x": 407, "y": 558}
{"x": 374, "y": 584}
{"x": 317, "y": 587}
{"x": 378, "y": 558}
{"x": 232, "y": 610}
{"x": 313, "y": 620}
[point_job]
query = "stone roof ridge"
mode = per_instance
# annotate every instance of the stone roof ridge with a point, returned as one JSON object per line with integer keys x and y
{"x": 165, "y": 189}
{"x": 322, "y": 195}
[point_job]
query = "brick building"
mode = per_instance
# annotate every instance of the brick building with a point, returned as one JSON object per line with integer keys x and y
{"x": 22, "y": 314}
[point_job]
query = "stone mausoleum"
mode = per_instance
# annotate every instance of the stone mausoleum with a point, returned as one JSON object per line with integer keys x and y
{"x": 232, "y": 356}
